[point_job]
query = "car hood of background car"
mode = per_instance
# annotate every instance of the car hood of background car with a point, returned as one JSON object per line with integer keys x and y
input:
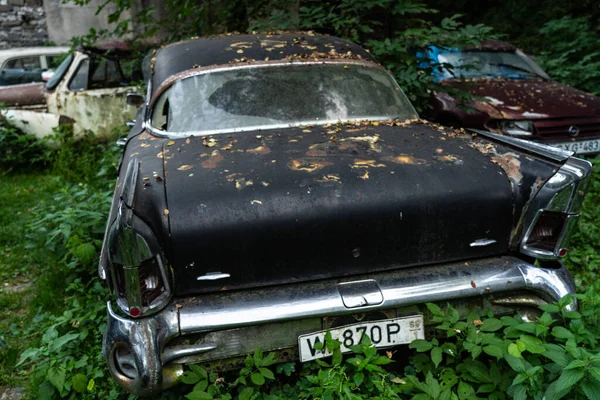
{"x": 295, "y": 204}
{"x": 529, "y": 99}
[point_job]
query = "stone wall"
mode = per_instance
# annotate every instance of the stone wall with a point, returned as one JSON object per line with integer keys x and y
{"x": 22, "y": 23}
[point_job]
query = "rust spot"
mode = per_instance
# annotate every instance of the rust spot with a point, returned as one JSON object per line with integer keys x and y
{"x": 449, "y": 158}
{"x": 214, "y": 160}
{"x": 317, "y": 150}
{"x": 473, "y": 284}
{"x": 366, "y": 164}
{"x": 308, "y": 164}
{"x": 329, "y": 178}
{"x": 510, "y": 164}
{"x": 242, "y": 183}
{"x": 231, "y": 177}
{"x": 210, "y": 142}
{"x": 372, "y": 141}
{"x": 405, "y": 159}
{"x": 263, "y": 150}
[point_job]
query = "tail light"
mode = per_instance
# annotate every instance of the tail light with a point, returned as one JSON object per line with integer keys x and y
{"x": 553, "y": 212}
{"x": 141, "y": 289}
{"x": 137, "y": 268}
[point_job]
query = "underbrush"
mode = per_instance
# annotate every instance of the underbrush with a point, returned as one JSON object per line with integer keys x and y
{"x": 480, "y": 357}
{"x": 50, "y": 335}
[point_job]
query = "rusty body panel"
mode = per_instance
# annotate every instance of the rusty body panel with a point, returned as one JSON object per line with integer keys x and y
{"x": 21, "y": 96}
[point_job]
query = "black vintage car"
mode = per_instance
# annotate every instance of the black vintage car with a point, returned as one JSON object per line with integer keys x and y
{"x": 275, "y": 187}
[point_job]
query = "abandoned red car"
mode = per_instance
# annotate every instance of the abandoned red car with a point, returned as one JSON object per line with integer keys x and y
{"x": 512, "y": 96}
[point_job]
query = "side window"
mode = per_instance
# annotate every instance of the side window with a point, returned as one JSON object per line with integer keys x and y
{"x": 79, "y": 81}
{"x": 105, "y": 73}
{"x": 26, "y": 63}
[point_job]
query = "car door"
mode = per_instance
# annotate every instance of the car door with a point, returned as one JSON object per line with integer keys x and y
{"x": 94, "y": 96}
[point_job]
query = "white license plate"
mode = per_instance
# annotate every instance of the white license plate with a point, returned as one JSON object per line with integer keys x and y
{"x": 384, "y": 333}
{"x": 581, "y": 147}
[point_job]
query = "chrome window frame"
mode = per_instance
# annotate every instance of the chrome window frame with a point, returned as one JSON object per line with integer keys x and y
{"x": 203, "y": 71}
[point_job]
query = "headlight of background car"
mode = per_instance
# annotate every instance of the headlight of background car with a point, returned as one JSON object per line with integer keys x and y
{"x": 517, "y": 128}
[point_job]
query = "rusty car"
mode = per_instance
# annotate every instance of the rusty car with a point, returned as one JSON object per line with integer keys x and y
{"x": 87, "y": 92}
{"x": 278, "y": 186}
{"x": 512, "y": 96}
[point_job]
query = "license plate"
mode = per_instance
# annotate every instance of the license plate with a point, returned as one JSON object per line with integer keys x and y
{"x": 384, "y": 333}
{"x": 581, "y": 147}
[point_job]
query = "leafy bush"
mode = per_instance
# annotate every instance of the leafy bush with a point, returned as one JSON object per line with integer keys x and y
{"x": 495, "y": 358}
{"x": 393, "y": 31}
{"x": 18, "y": 149}
{"x": 583, "y": 259}
{"x": 571, "y": 54}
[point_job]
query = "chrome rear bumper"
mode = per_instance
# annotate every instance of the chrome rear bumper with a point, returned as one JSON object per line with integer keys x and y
{"x": 141, "y": 359}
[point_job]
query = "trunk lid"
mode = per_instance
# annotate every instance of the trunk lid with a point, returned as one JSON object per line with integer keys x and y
{"x": 290, "y": 205}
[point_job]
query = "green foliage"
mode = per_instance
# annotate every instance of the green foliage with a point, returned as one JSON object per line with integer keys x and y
{"x": 393, "y": 31}
{"x": 583, "y": 259}
{"x": 570, "y": 53}
{"x": 18, "y": 150}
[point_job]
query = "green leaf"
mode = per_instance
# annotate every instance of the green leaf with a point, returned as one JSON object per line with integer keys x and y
{"x": 50, "y": 334}
{"x": 494, "y": 351}
{"x": 465, "y": 391}
{"x": 491, "y": 325}
{"x": 533, "y": 344}
{"x": 562, "y": 333}
{"x": 246, "y": 393}
{"x": 358, "y": 378}
{"x": 550, "y": 308}
{"x": 336, "y": 359}
{"x": 568, "y": 379}
{"x": 199, "y": 396}
{"x": 257, "y": 379}
{"x": 56, "y": 376}
{"x": 86, "y": 253}
{"x": 576, "y": 364}
{"x": 201, "y": 372}
{"x": 267, "y": 373}
{"x": 269, "y": 360}
{"x": 514, "y": 351}
{"x": 258, "y": 356}
{"x": 57, "y": 344}
{"x": 435, "y": 309}
{"x": 420, "y": 345}
{"x": 436, "y": 355}
{"x": 201, "y": 386}
{"x": 79, "y": 382}
{"x": 515, "y": 363}
{"x": 46, "y": 391}
{"x": 286, "y": 368}
{"x": 591, "y": 388}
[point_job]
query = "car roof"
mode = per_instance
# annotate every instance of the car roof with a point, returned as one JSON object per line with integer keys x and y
{"x": 225, "y": 49}
{"x": 31, "y": 51}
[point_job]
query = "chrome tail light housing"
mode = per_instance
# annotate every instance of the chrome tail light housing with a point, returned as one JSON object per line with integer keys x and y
{"x": 553, "y": 212}
{"x": 139, "y": 277}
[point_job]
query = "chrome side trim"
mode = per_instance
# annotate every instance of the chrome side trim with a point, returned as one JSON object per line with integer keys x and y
{"x": 482, "y": 242}
{"x": 554, "y": 153}
{"x": 148, "y": 338}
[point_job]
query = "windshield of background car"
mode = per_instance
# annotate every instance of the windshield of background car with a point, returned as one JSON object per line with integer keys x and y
{"x": 481, "y": 64}
{"x": 59, "y": 73}
{"x": 265, "y": 96}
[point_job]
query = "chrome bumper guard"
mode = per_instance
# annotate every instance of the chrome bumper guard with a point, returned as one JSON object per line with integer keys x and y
{"x": 141, "y": 360}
